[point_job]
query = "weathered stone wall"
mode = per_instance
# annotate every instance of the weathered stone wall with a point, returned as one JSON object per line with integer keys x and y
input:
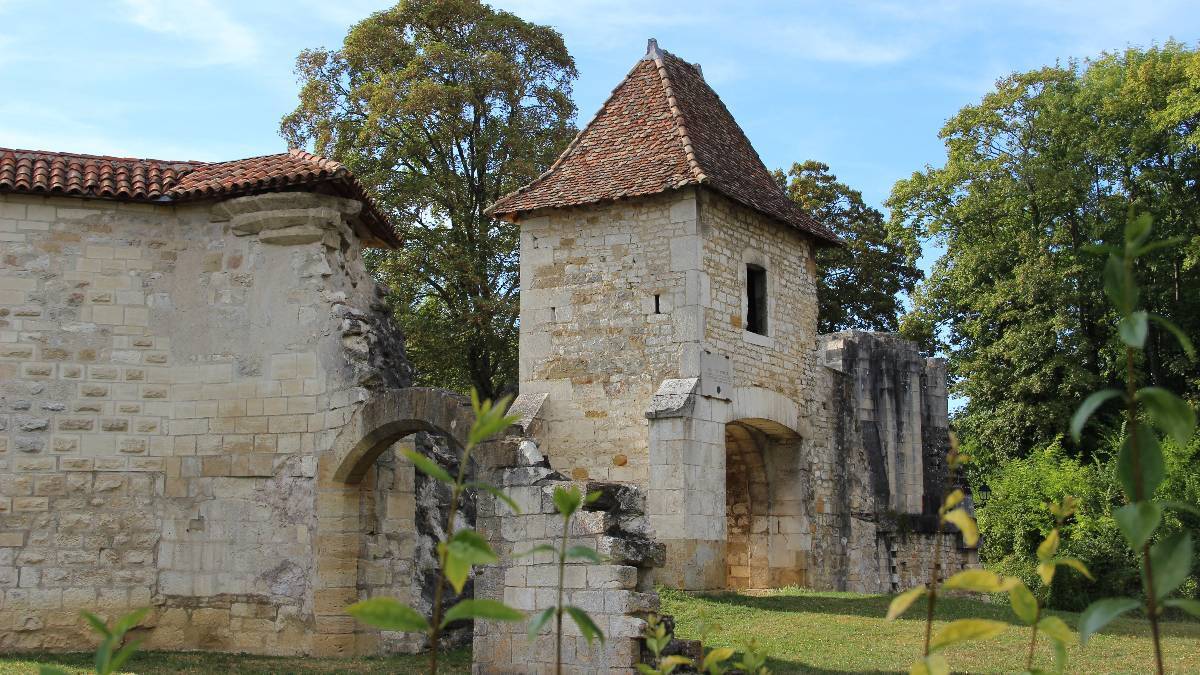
{"x": 610, "y": 299}
{"x": 889, "y": 407}
{"x": 168, "y": 378}
{"x": 617, "y": 594}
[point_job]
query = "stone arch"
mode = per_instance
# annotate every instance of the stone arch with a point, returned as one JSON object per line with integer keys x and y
{"x": 351, "y": 564}
{"x": 765, "y": 490}
{"x": 390, "y": 416}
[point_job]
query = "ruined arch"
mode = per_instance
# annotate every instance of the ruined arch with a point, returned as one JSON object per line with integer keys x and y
{"x": 355, "y": 560}
{"x": 390, "y": 416}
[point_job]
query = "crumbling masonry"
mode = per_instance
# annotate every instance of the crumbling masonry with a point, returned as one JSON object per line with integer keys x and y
{"x": 201, "y": 394}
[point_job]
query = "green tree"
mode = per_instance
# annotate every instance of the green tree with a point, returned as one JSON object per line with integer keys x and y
{"x": 1040, "y": 171}
{"x": 441, "y": 107}
{"x": 859, "y": 283}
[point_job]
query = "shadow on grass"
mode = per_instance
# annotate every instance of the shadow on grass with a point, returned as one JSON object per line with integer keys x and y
{"x": 195, "y": 663}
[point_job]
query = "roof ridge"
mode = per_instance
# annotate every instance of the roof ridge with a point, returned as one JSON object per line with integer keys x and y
{"x": 658, "y": 56}
{"x": 110, "y": 158}
{"x": 562, "y": 156}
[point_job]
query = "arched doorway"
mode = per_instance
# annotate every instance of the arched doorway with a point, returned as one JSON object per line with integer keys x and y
{"x": 767, "y": 540}
{"x": 366, "y": 513}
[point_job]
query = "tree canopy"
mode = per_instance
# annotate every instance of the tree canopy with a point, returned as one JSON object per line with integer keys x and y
{"x": 441, "y": 107}
{"x": 1044, "y": 168}
{"x": 859, "y": 283}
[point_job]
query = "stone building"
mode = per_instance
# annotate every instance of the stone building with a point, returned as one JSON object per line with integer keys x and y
{"x": 201, "y": 391}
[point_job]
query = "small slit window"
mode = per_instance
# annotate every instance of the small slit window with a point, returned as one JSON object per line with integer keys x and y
{"x": 756, "y": 299}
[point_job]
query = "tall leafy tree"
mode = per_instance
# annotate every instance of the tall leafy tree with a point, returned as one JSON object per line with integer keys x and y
{"x": 1046, "y": 166}
{"x": 859, "y": 283}
{"x": 442, "y": 106}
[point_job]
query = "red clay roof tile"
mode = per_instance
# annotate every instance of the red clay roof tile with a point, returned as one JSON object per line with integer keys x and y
{"x": 662, "y": 128}
{"x": 151, "y": 180}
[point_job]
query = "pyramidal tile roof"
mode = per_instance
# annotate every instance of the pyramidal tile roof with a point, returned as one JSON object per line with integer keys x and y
{"x": 151, "y": 180}
{"x": 663, "y": 128}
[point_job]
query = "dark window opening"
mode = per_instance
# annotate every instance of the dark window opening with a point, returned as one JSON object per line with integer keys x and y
{"x": 657, "y": 307}
{"x": 756, "y": 299}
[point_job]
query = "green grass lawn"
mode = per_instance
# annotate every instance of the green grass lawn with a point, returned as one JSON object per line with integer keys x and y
{"x": 811, "y": 632}
{"x": 804, "y": 631}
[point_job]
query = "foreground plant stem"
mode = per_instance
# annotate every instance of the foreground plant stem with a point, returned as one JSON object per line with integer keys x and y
{"x": 435, "y": 632}
{"x": 1033, "y": 637}
{"x": 558, "y": 613}
{"x": 1139, "y": 496}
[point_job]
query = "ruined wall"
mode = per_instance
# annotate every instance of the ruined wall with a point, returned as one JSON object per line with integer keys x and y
{"x": 617, "y": 594}
{"x": 889, "y": 406}
{"x": 168, "y": 377}
{"x": 610, "y": 301}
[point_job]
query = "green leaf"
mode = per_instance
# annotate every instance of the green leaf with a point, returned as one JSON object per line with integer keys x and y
{"x": 1181, "y": 506}
{"x": 1023, "y": 602}
{"x": 1100, "y": 613}
{"x": 497, "y": 493}
{"x": 1075, "y": 564}
{"x": 963, "y": 630}
{"x": 541, "y": 548}
{"x": 952, "y": 500}
{"x": 1153, "y": 469}
{"x": 119, "y": 659}
{"x": 540, "y": 620}
{"x": 1046, "y": 570}
{"x": 1060, "y": 656}
{"x": 567, "y": 500}
{"x": 1055, "y": 628}
{"x": 1171, "y": 560}
{"x": 127, "y": 622}
{"x": 584, "y": 553}
{"x": 1049, "y": 546}
{"x": 489, "y": 419}
{"x": 1156, "y": 245}
{"x": 1137, "y": 228}
{"x": 1114, "y": 284}
{"x": 1186, "y": 604}
{"x": 1089, "y": 406}
{"x": 670, "y": 663}
{"x": 1185, "y": 343}
{"x": 980, "y": 581}
{"x": 1138, "y": 522}
{"x": 428, "y": 466}
{"x": 97, "y": 625}
{"x": 715, "y": 657}
{"x": 389, "y": 614}
{"x": 902, "y": 602}
{"x": 492, "y": 610}
{"x": 1172, "y": 414}
{"x": 1133, "y": 329}
{"x": 965, "y": 523}
{"x": 934, "y": 664}
{"x": 465, "y": 549}
{"x": 586, "y": 625}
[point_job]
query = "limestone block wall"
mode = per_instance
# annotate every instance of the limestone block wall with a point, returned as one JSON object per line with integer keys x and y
{"x": 617, "y": 594}
{"x": 168, "y": 377}
{"x": 610, "y": 307}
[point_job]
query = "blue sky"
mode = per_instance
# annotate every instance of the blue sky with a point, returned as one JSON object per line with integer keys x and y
{"x": 863, "y": 86}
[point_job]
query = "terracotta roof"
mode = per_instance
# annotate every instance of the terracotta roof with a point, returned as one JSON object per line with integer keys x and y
{"x": 152, "y": 180}
{"x": 662, "y": 128}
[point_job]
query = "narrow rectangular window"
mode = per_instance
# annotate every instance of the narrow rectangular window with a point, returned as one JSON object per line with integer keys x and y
{"x": 657, "y": 306}
{"x": 756, "y": 299}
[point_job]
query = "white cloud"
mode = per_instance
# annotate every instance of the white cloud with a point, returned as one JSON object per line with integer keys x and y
{"x": 201, "y": 23}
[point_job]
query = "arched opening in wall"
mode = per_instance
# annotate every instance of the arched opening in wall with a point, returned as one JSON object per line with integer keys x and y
{"x": 767, "y": 538}
{"x": 378, "y": 518}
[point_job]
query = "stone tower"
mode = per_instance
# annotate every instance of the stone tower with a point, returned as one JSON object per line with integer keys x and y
{"x": 668, "y": 328}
